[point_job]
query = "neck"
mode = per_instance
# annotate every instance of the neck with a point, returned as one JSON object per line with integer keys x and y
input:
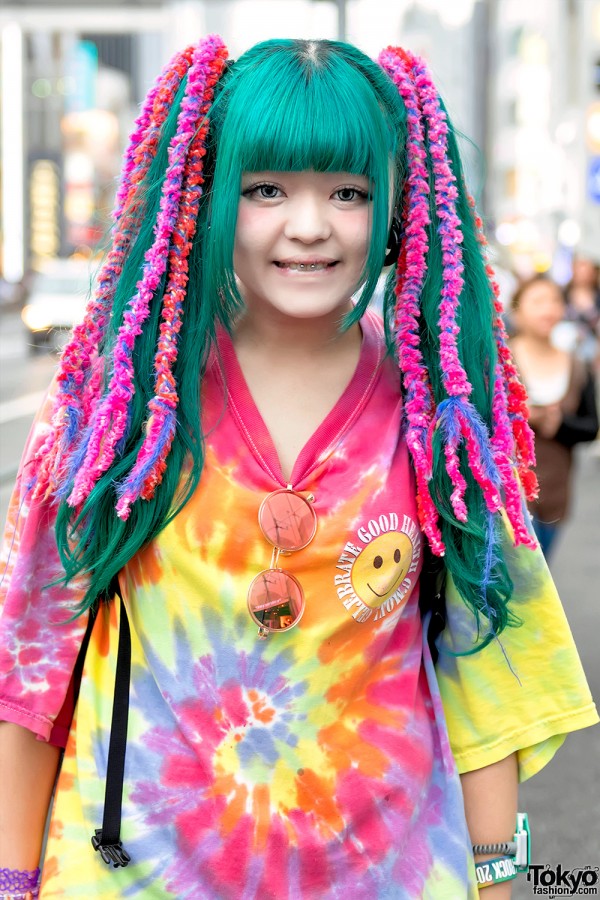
{"x": 536, "y": 343}
{"x": 291, "y": 337}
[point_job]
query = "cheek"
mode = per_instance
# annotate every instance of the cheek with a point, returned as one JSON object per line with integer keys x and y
{"x": 549, "y": 312}
{"x": 252, "y": 231}
{"x": 243, "y": 232}
{"x": 357, "y": 235}
{"x": 524, "y": 317}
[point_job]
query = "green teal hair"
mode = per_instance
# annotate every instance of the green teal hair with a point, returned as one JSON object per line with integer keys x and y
{"x": 287, "y": 104}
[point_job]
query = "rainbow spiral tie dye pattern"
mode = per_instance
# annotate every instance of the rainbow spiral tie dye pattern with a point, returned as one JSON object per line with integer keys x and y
{"x": 324, "y": 761}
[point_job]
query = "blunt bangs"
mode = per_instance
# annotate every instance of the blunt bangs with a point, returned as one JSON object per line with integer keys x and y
{"x": 288, "y": 118}
{"x": 292, "y": 106}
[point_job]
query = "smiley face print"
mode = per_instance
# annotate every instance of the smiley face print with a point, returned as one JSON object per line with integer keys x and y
{"x": 381, "y": 567}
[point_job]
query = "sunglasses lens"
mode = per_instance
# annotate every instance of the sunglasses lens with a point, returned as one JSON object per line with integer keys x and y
{"x": 287, "y": 520}
{"x": 275, "y": 600}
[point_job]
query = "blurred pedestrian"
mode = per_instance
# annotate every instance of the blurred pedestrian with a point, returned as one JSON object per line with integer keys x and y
{"x": 562, "y": 401}
{"x": 582, "y": 296}
{"x": 234, "y": 453}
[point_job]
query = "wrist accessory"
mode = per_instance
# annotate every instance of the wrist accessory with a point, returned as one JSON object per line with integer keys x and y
{"x": 515, "y": 857}
{"x": 19, "y": 884}
{"x": 494, "y": 871}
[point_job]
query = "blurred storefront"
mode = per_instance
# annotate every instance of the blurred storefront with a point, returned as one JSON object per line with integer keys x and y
{"x": 545, "y": 91}
{"x": 522, "y": 82}
{"x": 75, "y": 72}
{"x": 71, "y": 85}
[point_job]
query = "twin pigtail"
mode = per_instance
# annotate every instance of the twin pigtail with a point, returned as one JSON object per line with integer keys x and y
{"x": 80, "y": 373}
{"x": 412, "y": 266}
{"x": 89, "y": 427}
{"x": 151, "y": 463}
{"x": 491, "y": 456}
{"x": 513, "y": 437}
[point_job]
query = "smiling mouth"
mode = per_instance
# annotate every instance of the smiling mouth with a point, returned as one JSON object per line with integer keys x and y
{"x": 391, "y": 588}
{"x": 305, "y": 267}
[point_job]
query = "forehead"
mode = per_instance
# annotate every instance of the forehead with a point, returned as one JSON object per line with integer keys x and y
{"x": 587, "y": 265}
{"x": 541, "y": 292}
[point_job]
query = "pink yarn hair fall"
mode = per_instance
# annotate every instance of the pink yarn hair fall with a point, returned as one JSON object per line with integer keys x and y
{"x": 150, "y": 465}
{"x": 492, "y": 457}
{"x": 409, "y": 283}
{"x": 79, "y": 380}
{"x": 174, "y": 231}
{"x": 514, "y": 405}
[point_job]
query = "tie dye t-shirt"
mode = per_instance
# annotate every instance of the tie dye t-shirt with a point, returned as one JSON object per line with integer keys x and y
{"x": 315, "y": 763}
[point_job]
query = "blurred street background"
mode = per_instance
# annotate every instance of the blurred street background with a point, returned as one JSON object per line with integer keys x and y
{"x": 521, "y": 80}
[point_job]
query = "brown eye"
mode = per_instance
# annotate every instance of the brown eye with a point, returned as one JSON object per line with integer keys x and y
{"x": 396, "y": 556}
{"x": 378, "y": 562}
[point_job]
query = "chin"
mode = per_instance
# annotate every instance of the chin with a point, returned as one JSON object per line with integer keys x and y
{"x": 302, "y": 306}
{"x": 315, "y": 311}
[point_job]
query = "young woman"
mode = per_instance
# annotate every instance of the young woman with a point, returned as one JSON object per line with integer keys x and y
{"x": 562, "y": 400}
{"x": 582, "y": 296}
{"x": 234, "y": 438}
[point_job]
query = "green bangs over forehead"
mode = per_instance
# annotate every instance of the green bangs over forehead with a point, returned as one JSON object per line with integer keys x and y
{"x": 298, "y": 110}
{"x": 298, "y": 105}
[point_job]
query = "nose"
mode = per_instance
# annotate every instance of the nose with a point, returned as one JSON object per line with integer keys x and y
{"x": 307, "y": 220}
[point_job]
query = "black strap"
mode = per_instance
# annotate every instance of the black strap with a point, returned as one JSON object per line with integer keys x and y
{"x": 107, "y": 840}
{"x": 105, "y": 597}
{"x": 432, "y": 597}
{"x": 78, "y": 667}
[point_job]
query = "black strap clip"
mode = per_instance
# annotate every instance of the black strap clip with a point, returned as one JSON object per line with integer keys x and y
{"x": 107, "y": 839}
{"x": 112, "y": 854}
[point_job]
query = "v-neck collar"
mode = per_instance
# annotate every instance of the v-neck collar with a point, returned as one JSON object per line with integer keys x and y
{"x": 328, "y": 434}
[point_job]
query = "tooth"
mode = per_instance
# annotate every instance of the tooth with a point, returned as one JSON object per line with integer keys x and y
{"x": 304, "y": 267}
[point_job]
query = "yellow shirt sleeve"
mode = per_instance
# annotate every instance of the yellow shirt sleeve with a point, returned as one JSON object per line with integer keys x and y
{"x": 525, "y": 691}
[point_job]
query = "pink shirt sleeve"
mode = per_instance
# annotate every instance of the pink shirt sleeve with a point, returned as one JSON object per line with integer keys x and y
{"x": 38, "y": 645}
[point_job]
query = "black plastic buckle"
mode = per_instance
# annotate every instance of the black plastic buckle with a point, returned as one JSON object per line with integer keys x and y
{"x": 112, "y": 854}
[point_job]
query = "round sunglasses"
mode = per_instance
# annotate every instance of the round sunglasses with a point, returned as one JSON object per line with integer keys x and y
{"x": 275, "y": 598}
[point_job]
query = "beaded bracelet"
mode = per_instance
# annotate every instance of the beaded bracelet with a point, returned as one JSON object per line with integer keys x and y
{"x": 19, "y": 884}
{"x": 29, "y": 895}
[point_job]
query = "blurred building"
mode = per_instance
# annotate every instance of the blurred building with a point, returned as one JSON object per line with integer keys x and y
{"x": 544, "y": 122}
{"x": 520, "y": 81}
{"x": 72, "y": 77}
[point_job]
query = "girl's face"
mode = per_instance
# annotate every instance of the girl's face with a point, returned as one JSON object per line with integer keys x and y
{"x": 301, "y": 241}
{"x": 584, "y": 272}
{"x": 540, "y": 308}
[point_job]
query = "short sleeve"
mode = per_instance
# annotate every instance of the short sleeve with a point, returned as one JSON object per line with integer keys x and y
{"x": 523, "y": 692}
{"x": 38, "y": 645}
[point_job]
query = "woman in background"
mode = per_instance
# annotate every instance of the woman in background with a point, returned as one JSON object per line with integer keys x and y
{"x": 582, "y": 296}
{"x": 562, "y": 401}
